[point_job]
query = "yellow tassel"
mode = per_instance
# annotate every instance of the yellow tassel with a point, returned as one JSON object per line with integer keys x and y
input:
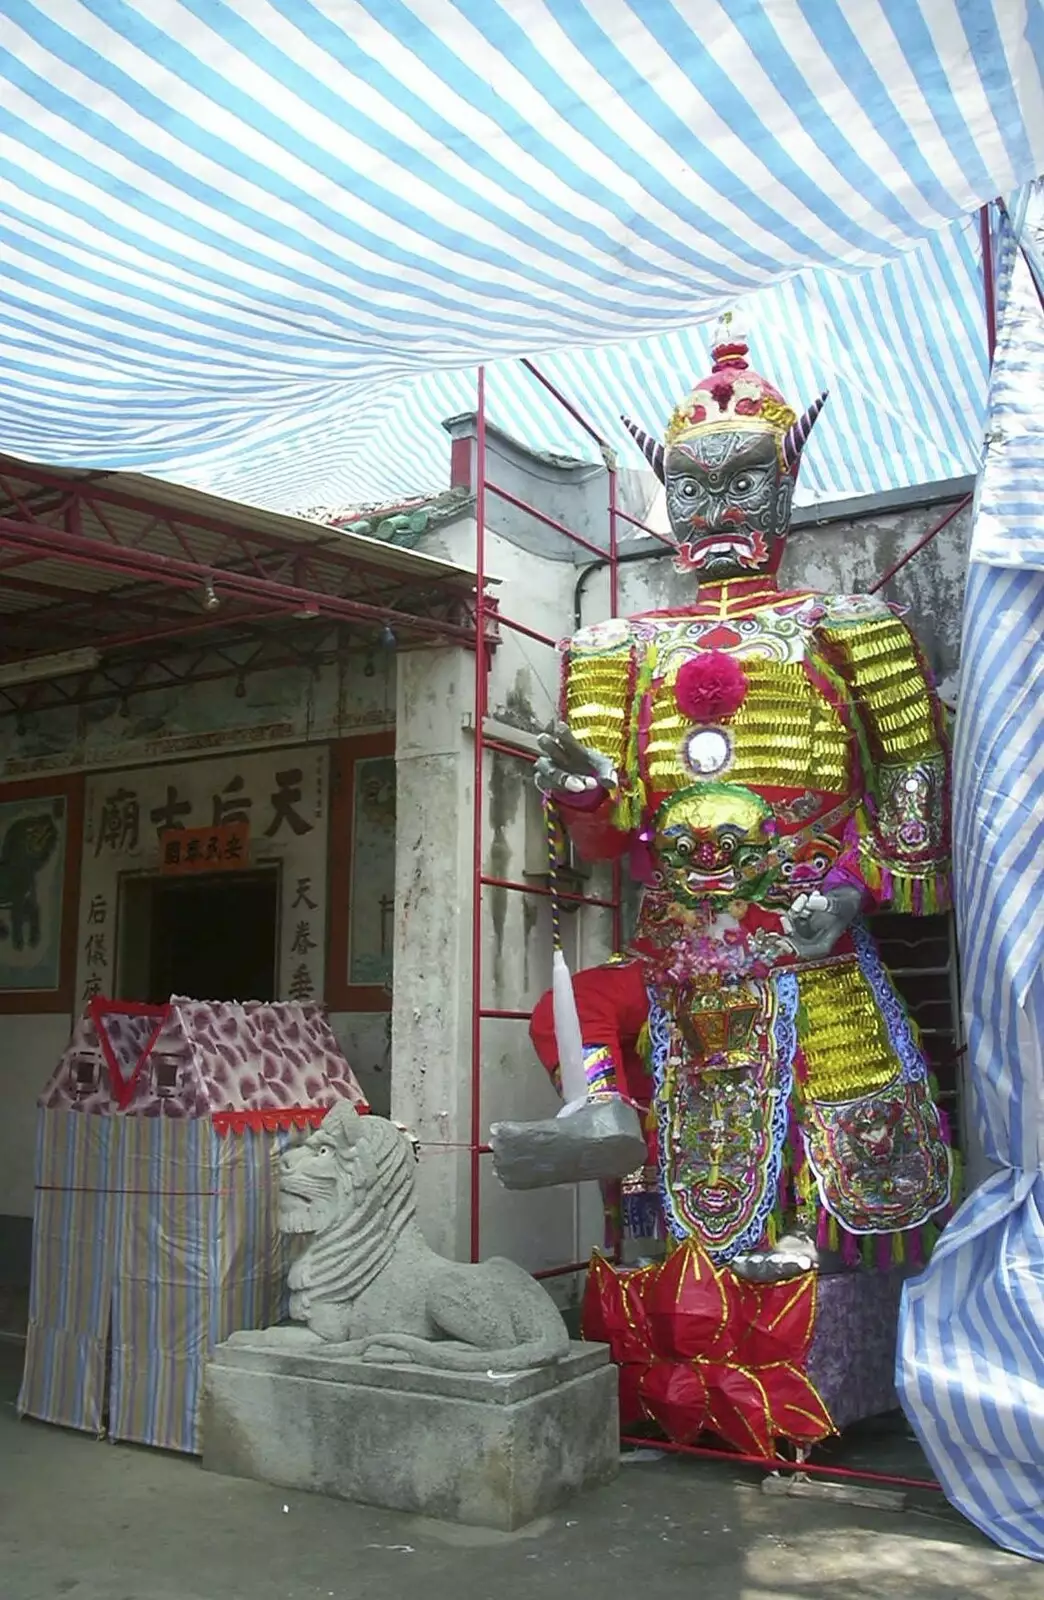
{"x": 833, "y": 1237}
{"x": 630, "y": 806}
{"x": 898, "y": 1248}
{"x": 772, "y": 1231}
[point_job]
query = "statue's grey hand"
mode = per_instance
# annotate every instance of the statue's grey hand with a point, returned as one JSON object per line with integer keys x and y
{"x": 816, "y": 921}
{"x": 565, "y": 766}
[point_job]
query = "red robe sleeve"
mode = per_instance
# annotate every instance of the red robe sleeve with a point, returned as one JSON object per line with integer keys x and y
{"x": 588, "y": 821}
{"x": 613, "y": 1007}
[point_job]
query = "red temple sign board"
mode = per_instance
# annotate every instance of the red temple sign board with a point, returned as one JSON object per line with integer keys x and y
{"x": 224, "y": 848}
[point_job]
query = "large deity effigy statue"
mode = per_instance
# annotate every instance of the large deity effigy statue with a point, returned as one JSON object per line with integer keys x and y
{"x": 773, "y": 765}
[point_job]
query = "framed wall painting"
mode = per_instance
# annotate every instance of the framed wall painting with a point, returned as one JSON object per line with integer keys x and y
{"x": 41, "y": 834}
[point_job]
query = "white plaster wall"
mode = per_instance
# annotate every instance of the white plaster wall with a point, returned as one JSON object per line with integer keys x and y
{"x": 432, "y": 1055}
{"x": 29, "y": 1052}
{"x": 365, "y": 1038}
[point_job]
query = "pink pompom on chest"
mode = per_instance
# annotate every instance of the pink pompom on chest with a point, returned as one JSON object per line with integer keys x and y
{"x": 711, "y": 687}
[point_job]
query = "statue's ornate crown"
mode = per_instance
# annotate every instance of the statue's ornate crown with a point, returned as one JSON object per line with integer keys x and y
{"x": 734, "y": 396}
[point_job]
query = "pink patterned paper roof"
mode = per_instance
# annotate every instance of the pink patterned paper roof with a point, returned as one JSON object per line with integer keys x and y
{"x": 206, "y": 1056}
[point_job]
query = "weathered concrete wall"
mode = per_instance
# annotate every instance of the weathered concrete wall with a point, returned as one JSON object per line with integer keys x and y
{"x": 432, "y": 1051}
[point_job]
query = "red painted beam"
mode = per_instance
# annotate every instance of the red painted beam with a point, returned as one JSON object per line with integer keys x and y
{"x": 567, "y": 405}
{"x": 328, "y": 545}
{"x": 178, "y": 573}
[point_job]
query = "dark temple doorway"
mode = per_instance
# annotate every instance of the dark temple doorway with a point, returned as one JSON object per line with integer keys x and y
{"x": 212, "y": 938}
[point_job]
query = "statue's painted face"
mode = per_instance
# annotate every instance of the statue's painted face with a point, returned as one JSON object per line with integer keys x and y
{"x": 705, "y": 840}
{"x": 728, "y": 501}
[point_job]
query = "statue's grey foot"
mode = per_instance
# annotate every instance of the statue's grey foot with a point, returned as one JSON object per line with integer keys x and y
{"x": 792, "y": 1256}
{"x": 600, "y": 1141}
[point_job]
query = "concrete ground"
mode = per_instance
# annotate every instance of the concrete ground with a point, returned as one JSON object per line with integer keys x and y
{"x": 83, "y": 1520}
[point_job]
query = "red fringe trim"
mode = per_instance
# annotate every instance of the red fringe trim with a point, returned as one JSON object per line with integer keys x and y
{"x": 275, "y": 1120}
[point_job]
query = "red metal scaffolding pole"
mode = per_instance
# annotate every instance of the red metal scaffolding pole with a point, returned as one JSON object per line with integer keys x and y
{"x": 481, "y": 880}
{"x": 482, "y": 664}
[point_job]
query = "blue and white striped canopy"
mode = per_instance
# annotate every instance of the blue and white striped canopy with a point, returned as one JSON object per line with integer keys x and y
{"x": 971, "y": 1362}
{"x": 260, "y": 245}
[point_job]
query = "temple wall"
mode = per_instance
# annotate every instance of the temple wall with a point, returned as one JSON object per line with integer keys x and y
{"x": 194, "y": 738}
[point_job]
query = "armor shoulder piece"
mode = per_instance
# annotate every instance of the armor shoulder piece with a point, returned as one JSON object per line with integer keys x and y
{"x": 602, "y": 638}
{"x": 851, "y": 610}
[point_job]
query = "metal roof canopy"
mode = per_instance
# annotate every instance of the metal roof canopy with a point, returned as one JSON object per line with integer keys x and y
{"x": 124, "y": 564}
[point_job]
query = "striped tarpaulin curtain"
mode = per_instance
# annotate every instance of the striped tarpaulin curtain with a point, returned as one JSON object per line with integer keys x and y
{"x": 197, "y": 1255}
{"x": 65, "y": 1379}
{"x": 971, "y": 1355}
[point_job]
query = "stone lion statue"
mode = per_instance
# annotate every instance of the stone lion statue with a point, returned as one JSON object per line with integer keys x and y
{"x": 367, "y": 1285}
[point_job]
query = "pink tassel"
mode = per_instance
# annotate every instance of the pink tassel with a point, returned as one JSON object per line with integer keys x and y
{"x": 849, "y": 1249}
{"x": 884, "y": 1253}
{"x": 823, "y": 1231}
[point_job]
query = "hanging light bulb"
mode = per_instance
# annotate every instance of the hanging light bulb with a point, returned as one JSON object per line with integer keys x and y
{"x": 241, "y": 687}
{"x": 211, "y": 598}
{"x": 388, "y": 640}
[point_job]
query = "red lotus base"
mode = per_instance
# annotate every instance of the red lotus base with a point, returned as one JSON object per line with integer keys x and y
{"x": 699, "y": 1351}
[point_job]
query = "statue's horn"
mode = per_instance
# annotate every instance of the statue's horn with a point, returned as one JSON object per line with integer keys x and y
{"x": 796, "y": 436}
{"x": 651, "y": 448}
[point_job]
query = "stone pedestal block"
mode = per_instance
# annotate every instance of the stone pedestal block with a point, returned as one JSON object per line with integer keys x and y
{"x": 487, "y": 1449}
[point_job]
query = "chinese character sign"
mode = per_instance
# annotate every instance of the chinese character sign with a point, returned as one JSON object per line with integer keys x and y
{"x": 264, "y": 811}
{"x": 223, "y": 848}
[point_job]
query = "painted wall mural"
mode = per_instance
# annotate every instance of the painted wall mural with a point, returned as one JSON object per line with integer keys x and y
{"x": 180, "y": 721}
{"x": 33, "y": 840}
